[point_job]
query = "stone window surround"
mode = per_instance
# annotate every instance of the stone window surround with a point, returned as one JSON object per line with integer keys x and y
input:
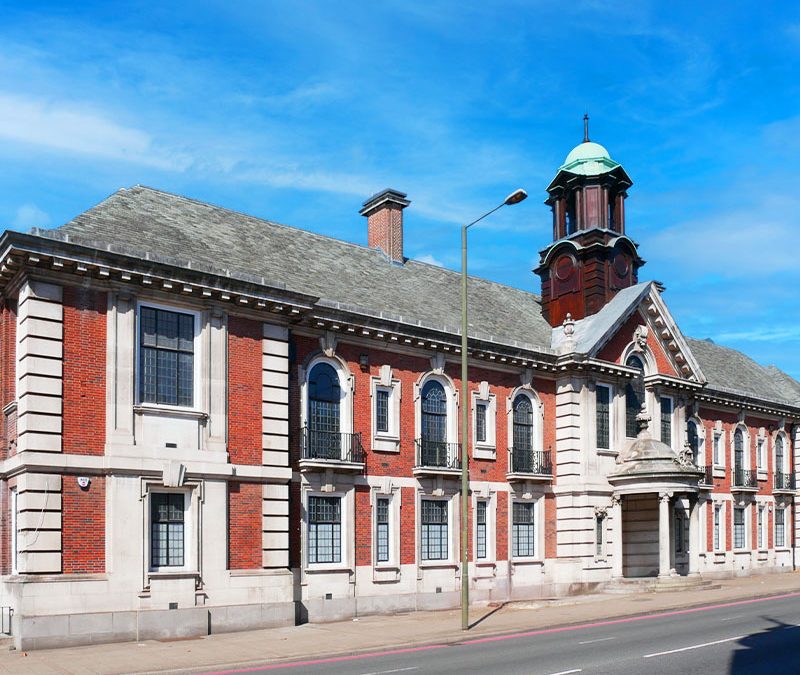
{"x": 393, "y": 494}
{"x": 386, "y": 441}
{"x": 747, "y": 449}
{"x": 702, "y": 455}
{"x": 451, "y": 395}
{"x": 490, "y": 497}
{"x": 786, "y": 452}
{"x": 613, "y": 413}
{"x": 345, "y": 383}
{"x": 452, "y": 497}
{"x": 191, "y": 531}
{"x": 538, "y": 420}
{"x": 539, "y": 531}
{"x": 485, "y": 449}
{"x": 347, "y": 497}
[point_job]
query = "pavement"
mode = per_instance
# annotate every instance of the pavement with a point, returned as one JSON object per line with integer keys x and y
{"x": 427, "y": 630}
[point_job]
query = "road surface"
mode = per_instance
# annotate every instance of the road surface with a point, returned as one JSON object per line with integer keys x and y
{"x": 744, "y": 637}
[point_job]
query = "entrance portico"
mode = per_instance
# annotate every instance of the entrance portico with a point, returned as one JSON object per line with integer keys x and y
{"x": 651, "y": 481}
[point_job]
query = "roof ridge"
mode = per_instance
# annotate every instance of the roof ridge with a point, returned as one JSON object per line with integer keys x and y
{"x": 309, "y": 233}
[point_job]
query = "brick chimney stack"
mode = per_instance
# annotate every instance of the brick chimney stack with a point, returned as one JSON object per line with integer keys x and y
{"x": 384, "y": 213}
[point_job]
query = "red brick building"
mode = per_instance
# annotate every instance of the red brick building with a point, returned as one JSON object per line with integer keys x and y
{"x": 214, "y": 422}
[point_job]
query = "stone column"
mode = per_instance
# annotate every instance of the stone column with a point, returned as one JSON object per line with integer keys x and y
{"x": 663, "y": 534}
{"x": 616, "y": 537}
{"x": 694, "y": 535}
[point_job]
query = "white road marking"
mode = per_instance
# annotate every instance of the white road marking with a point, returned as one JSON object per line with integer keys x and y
{"x": 588, "y": 642}
{"x": 686, "y": 649}
{"x": 567, "y": 672}
{"x": 396, "y": 670}
{"x": 731, "y": 618}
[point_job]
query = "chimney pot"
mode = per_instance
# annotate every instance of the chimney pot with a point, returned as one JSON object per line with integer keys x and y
{"x": 384, "y": 213}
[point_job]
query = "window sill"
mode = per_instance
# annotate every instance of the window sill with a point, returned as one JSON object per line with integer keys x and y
{"x": 484, "y": 452}
{"x": 440, "y": 564}
{"x": 719, "y": 471}
{"x": 168, "y": 411}
{"x": 527, "y": 561}
{"x": 783, "y": 549}
{"x": 173, "y": 574}
{"x": 762, "y": 474}
{"x": 335, "y": 567}
{"x": 387, "y": 567}
{"x": 607, "y": 452}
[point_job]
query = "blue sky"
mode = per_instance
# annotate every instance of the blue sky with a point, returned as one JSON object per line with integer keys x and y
{"x": 297, "y": 111}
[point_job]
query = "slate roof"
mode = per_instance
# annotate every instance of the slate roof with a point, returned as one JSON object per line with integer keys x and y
{"x": 144, "y": 222}
{"x": 141, "y": 220}
{"x": 729, "y": 370}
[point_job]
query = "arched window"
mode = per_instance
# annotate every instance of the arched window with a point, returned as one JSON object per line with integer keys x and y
{"x": 523, "y": 423}
{"x": 434, "y": 424}
{"x": 779, "y": 455}
{"x": 738, "y": 451}
{"x": 693, "y": 437}
{"x": 634, "y": 396}
{"x": 324, "y": 407}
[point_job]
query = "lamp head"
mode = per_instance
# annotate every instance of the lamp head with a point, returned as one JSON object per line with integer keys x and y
{"x": 516, "y": 197}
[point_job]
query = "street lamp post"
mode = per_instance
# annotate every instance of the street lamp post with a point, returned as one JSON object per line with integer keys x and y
{"x": 514, "y": 198}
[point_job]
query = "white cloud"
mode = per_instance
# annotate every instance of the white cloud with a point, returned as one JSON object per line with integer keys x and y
{"x": 428, "y": 258}
{"x": 72, "y": 128}
{"x": 28, "y": 216}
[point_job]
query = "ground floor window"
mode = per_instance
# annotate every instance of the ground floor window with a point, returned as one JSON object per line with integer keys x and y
{"x": 738, "y": 527}
{"x": 599, "y": 525}
{"x": 480, "y": 523}
{"x": 523, "y": 534}
{"x": 167, "y": 529}
{"x": 324, "y": 530}
{"x": 433, "y": 534}
{"x": 717, "y": 525}
{"x": 760, "y": 529}
{"x": 382, "y": 527}
{"x": 780, "y": 523}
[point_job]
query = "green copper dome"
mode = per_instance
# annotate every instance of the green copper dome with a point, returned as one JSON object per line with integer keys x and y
{"x": 588, "y": 159}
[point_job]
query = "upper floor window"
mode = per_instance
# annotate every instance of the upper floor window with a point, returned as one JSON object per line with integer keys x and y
{"x": 523, "y": 423}
{"x": 779, "y": 454}
{"x": 382, "y": 410}
{"x": 717, "y": 448}
{"x": 634, "y": 397}
{"x": 480, "y": 422}
{"x": 603, "y": 415}
{"x": 166, "y": 343}
{"x": 324, "y": 404}
{"x": 434, "y": 423}
{"x": 761, "y": 455}
{"x": 666, "y": 420}
{"x": 693, "y": 438}
{"x": 738, "y": 450}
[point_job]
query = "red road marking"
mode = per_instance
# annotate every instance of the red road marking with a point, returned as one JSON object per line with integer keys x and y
{"x": 498, "y": 638}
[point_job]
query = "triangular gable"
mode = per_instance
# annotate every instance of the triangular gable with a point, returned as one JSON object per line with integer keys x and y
{"x": 606, "y": 334}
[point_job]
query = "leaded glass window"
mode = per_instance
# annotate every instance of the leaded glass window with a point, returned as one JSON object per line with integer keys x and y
{"x": 324, "y": 401}
{"x": 780, "y": 535}
{"x": 523, "y": 529}
{"x": 434, "y": 424}
{"x": 382, "y": 523}
{"x": 523, "y": 423}
{"x": 738, "y": 450}
{"x": 760, "y": 528}
{"x": 480, "y": 423}
{"x": 324, "y": 529}
{"x": 694, "y": 440}
{"x": 603, "y": 416}
{"x": 480, "y": 522}
{"x": 666, "y": 420}
{"x": 679, "y": 533}
{"x": 382, "y": 410}
{"x": 738, "y": 527}
{"x": 433, "y": 536}
{"x": 717, "y": 525}
{"x": 634, "y": 397}
{"x": 167, "y": 529}
{"x": 166, "y": 343}
{"x": 779, "y": 454}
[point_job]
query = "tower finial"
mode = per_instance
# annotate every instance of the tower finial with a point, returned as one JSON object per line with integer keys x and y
{"x": 586, "y": 127}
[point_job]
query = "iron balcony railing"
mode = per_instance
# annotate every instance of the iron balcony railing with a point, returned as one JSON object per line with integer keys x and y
{"x": 437, "y": 454}
{"x": 784, "y": 481}
{"x": 332, "y": 445}
{"x": 708, "y": 475}
{"x": 538, "y": 462}
{"x": 745, "y": 478}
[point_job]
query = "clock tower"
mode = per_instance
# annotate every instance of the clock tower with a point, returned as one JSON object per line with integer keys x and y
{"x": 591, "y": 258}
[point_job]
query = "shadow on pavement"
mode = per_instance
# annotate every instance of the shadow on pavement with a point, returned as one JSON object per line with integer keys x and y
{"x": 487, "y": 615}
{"x": 774, "y": 651}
